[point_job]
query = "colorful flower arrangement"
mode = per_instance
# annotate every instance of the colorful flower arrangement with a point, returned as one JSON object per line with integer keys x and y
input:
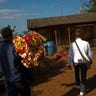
{"x": 29, "y": 48}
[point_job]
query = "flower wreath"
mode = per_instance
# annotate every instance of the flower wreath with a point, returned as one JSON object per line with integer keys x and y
{"x": 29, "y": 48}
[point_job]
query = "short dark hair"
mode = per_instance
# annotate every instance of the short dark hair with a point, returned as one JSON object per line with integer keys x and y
{"x": 77, "y": 32}
{"x": 6, "y": 32}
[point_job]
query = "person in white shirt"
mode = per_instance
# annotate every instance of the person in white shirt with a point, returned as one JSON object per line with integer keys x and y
{"x": 79, "y": 65}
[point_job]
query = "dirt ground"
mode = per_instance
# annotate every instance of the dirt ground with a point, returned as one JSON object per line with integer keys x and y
{"x": 52, "y": 79}
{"x": 60, "y": 82}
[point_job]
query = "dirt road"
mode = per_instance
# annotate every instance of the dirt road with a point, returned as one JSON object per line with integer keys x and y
{"x": 56, "y": 81}
{"x": 59, "y": 82}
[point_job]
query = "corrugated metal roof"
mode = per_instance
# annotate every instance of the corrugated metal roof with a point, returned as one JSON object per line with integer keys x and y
{"x": 60, "y": 20}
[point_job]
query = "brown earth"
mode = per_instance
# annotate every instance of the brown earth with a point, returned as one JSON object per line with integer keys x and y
{"x": 52, "y": 79}
{"x": 57, "y": 81}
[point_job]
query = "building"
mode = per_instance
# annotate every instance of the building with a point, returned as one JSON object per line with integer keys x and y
{"x": 60, "y": 29}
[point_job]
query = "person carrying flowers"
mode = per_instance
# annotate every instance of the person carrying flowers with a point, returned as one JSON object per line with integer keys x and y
{"x": 11, "y": 66}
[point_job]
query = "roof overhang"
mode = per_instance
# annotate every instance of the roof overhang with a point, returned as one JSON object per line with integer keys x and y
{"x": 61, "y": 20}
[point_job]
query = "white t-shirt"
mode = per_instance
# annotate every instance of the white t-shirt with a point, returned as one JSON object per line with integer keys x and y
{"x": 74, "y": 53}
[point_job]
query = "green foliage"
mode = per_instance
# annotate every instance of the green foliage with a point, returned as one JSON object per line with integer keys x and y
{"x": 92, "y": 5}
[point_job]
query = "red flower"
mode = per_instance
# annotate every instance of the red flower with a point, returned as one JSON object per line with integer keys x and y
{"x": 27, "y": 44}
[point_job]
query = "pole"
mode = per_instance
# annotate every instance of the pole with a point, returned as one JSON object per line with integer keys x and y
{"x": 56, "y": 38}
{"x": 69, "y": 35}
{"x": 61, "y": 7}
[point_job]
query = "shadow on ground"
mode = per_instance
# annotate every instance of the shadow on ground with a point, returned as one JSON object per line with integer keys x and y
{"x": 91, "y": 83}
{"x": 73, "y": 91}
{"x": 46, "y": 69}
{"x": 89, "y": 87}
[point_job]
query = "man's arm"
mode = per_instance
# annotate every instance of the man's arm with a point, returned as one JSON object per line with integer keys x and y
{"x": 70, "y": 57}
{"x": 90, "y": 53}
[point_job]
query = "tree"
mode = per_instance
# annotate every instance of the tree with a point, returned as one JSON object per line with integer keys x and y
{"x": 89, "y": 6}
{"x": 92, "y": 4}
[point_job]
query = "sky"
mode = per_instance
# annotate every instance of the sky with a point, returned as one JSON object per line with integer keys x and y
{"x": 16, "y": 12}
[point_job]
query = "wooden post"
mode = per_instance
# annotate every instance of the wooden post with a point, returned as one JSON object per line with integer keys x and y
{"x": 56, "y": 39}
{"x": 69, "y": 35}
{"x": 94, "y": 42}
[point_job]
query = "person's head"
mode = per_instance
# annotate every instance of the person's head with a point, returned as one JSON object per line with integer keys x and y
{"x": 7, "y": 33}
{"x": 77, "y": 33}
